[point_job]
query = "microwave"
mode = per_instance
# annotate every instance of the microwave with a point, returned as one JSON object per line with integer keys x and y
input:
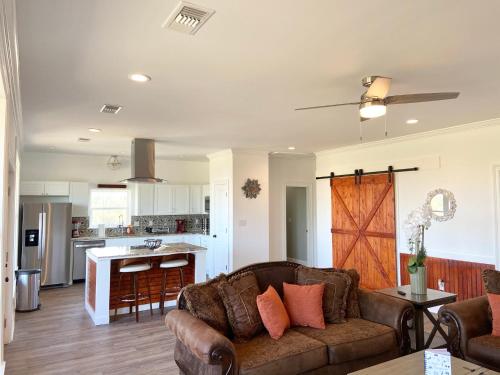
{"x": 207, "y": 204}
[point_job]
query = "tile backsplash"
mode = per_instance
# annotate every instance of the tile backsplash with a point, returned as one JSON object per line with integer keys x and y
{"x": 193, "y": 224}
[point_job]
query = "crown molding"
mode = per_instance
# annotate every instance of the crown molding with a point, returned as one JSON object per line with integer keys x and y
{"x": 432, "y": 133}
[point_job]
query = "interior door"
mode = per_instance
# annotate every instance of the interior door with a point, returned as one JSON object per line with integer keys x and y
{"x": 364, "y": 228}
{"x": 219, "y": 229}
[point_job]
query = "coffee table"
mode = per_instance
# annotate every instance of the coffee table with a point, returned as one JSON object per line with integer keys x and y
{"x": 413, "y": 364}
{"x": 422, "y": 302}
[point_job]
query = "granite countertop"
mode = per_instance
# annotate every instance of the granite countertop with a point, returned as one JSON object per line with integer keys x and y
{"x": 125, "y": 252}
{"x": 135, "y": 235}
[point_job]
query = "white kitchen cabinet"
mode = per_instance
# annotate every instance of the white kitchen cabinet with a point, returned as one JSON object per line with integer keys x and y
{"x": 57, "y": 188}
{"x": 79, "y": 197}
{"x": 163, "y": 199}
{"x": 143, "y": 199}
{"x": 196, "y": 199}
{"x": 32, "y": 188}
{"x": 50, "y": 188}
{"x": 180, "y": 199}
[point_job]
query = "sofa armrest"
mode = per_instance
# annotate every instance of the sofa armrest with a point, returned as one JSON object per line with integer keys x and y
{"x": 465, "y": 319}
{"x": 390, "y": 311}
{"x": 206, "y": 343}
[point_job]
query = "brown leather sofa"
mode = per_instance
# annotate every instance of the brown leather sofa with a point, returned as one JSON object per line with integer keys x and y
{"x": 380, "y": 335}
{"x": 470, "y": 328}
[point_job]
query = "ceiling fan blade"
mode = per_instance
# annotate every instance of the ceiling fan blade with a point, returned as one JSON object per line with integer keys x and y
{"x": 418, "y": 98}
{"x": 327, "y": 106}
{"x": 379, "y": 88}
{"x": 363, "y": 118}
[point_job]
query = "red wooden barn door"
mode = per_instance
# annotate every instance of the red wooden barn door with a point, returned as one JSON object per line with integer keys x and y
{"x": 364, "y": 228}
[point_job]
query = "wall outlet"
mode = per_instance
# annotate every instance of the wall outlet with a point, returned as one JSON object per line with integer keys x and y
{"x": 150, "y": 223}
{"x": 441, "y": 285}
{"x": 242, "y": 223}
{"x": 136, "y": 223}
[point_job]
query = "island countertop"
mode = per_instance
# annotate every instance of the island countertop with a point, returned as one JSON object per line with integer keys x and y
{"x": 126, "y": 252}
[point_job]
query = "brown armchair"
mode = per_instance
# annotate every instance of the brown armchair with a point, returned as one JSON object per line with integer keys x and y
{"x": 470, "y": 328}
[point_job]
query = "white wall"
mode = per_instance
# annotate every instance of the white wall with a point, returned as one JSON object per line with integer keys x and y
{"x": 460, "y": 159}
{"x": 250, "y": 216}
{"x": 289, "y": 170}
{"x": 92, "y": 168}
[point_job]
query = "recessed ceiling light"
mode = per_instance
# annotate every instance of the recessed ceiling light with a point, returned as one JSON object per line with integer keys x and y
{"x": 411, "y": 121}
{"x": 291, "y": 148}
{"x": 81, "y": 139}
{"x": 139, "y": 77}
{"x": 95, "y": 130}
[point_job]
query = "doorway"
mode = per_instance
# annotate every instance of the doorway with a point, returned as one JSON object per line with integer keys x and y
{"x": 297, "y": 228}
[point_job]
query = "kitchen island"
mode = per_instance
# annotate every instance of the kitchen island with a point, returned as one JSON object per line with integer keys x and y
{"x": 101, "y": 285}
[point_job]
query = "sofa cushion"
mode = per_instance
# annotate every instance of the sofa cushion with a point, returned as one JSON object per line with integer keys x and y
{"x": 352, "y": 306}
{"x": 239, "y": 295}
{"x": 293, "y": 353}
{"x": 204, "y": 302}
{"x": 494, "y": 300}
{"x": 354, "y": 339}
{"x": 485, "y": 349}
{"x": 337, "y": 285}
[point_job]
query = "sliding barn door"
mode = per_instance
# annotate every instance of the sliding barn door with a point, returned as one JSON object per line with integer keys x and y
{"x": 364, "y": 228}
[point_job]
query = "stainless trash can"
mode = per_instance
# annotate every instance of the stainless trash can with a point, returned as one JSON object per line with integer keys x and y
{"x": 28, "y": 290}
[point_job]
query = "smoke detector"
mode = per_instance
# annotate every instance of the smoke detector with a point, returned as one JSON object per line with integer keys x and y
{"x": 188, "y": 18}
{"x": 111, "y": 108}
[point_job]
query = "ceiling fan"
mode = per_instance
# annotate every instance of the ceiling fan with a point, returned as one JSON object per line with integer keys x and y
{"x": 374, "y": 101}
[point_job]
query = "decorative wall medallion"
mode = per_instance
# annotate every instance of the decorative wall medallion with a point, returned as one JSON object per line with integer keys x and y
{"x": 251, "y": 188}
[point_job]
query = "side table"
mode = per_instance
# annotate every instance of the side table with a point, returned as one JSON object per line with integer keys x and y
{"x": 422, "y": 302}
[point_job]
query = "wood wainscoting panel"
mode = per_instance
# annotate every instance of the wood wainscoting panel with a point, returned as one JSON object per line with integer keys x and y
{"x": 91, "y": 283}
{"x": 155, "y": 277}
{"x": 460, "y": 277}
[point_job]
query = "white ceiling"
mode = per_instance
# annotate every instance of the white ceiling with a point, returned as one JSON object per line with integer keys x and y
{"x": 236, "y": 83}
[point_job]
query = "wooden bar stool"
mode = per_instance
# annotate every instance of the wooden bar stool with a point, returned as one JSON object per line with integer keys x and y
{"x": 166, "y": 265}
{"x": 134, "y": 267}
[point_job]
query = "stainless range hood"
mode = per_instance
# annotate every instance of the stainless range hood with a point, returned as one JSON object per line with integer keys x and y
{"x": 143, "y": 161}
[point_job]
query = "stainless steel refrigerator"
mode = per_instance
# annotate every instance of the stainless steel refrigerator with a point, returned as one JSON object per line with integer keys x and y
{"x": 46, "y": 234}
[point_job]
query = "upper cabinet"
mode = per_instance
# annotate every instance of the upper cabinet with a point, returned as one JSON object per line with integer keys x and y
{"x": 79, "y": 197}
{"x": 196, "y": 199}
{"x": 180, "y": 199}
{"x": 49, "y": 188}
{"x": 143, "y": 199}
{"x": 164, "y": 200}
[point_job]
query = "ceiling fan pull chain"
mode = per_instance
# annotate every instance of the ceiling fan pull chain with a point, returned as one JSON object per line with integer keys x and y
{"x": 385, "y": 124}
{"x": 360, "y": 132}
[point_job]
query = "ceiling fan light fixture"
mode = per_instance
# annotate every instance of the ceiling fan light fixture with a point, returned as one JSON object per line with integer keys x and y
{"x": 372, "y": 109}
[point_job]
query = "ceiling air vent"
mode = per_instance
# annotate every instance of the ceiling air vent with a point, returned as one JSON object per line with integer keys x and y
{"x": 110, "y": 108}
{"x": 188, "y": 18}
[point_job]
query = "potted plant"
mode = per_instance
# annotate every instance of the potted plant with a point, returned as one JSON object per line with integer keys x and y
{"x": 416, "y": 264}
{"x": 418, "y": 221}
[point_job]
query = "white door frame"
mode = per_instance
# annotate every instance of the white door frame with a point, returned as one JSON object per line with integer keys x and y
{"x": 311, "y": 256}
{"x": 496, "y": 200}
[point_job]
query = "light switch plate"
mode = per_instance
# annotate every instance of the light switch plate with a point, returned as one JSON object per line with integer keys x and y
{"x": 242, "y": 223}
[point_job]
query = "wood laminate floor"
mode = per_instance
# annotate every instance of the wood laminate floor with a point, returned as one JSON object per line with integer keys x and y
{"x": 61, "y": 339}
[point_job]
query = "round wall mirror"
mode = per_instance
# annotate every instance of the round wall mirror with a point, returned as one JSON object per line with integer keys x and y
{"x": 441, "y": 204}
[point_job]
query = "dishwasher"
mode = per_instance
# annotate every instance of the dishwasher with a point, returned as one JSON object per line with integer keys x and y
{"x": 79, "y": 256}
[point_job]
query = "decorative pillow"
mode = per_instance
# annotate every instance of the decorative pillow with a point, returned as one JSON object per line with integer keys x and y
{"x": 352, "y": 307}
{"x": 337, "y": 285}
{"x": 204, "y": 302}
{"x": 491, "y": 280}
{"x": 304, "y": 304}
{"x": 494, "y": 300}
{"x": 239, "y": 295}
{"x": 273, "y": 313}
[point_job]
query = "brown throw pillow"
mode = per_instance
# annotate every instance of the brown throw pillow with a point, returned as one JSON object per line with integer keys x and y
{"x": 491, "y": 280}
{"x": 337, "y": 285}
{"x": 352, "y": 308}
{"x": 239, "y": 295}
{"x": 204, "y": 302}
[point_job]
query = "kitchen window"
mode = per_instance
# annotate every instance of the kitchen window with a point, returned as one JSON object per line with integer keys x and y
{"x": 109, "y": 207}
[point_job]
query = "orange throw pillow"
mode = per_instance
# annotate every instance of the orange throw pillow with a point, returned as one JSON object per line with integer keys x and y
{"x": 304, "y": 304}
{"x": 494, "y": 300}
{"x": 273, "y": 313}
